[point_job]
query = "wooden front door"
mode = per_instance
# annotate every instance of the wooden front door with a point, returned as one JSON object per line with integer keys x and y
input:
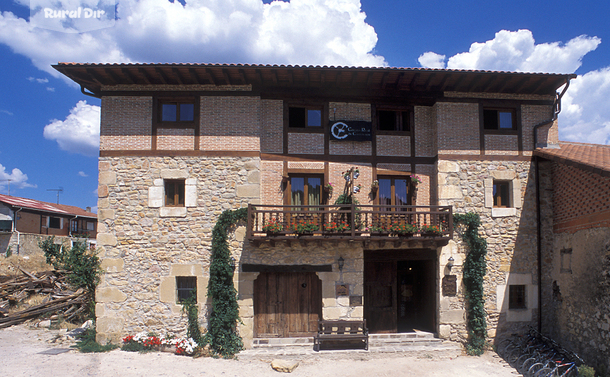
{"x": 287, "y": 304}
{"x": 380, "y": 301}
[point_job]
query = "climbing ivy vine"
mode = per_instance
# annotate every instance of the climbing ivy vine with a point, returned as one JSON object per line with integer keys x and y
{"x": 222, "y": 333}
{"x": 474, "y": 271}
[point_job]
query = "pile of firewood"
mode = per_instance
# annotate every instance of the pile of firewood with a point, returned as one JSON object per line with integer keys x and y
{"x": 59, "y": 297}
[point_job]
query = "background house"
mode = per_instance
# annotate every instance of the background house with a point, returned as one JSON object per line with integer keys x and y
{"x": 180, "y": 143}
{"x": 23, "y": 221}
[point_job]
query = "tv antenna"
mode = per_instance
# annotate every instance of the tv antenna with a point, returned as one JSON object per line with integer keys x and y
{"x": 9, "y": 185}
{"x": 59, "y": 190}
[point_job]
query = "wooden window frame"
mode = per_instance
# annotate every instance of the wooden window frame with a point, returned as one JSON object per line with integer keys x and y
{"x": 178, "y": 191}
{"x": 158, "y": 103}
{"x": 399, "y": 113}
{"x": 393, "y": 189}
{"x": 517, "y": 296}
{"x": 51, "y": 218}
{"x": 288, "y": 192}
{"x": 191, "y": 286}
{"x": 497, "y": 129}
{"x": 307, "y": 105}
{"x": 498, "y": 196}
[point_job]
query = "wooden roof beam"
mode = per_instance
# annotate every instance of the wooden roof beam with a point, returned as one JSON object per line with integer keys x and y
{"x": 536, "y": 86}
{"x": 164, "y": 79}
{"x": 473, "y": 83}
{"x": 177, "y": 75}
{"x": 95, "y": 76}
{"x": 115, "y": 77}
{"x": 456, "y": 85}
{"x": 484, "y": 87}
{"x": 430, "y": 78}
{"x": 441, "y": 84}
{"x": 195, "y": 76}
{"x": 242, "y": 76}
{"x": 129, "y": 76}
{"x": 413, "y": 80}
{"x": 519, "y": 84}
{"x": 502, "y": 85}
{"x": 211, "y": 76}
{"x": 148, "y": 79}
{"x": 227, "y": 77}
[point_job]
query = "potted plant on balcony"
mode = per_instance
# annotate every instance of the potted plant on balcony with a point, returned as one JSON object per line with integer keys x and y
{"x": 329, "y": 188}
{"x": 378, "y": 230}
{"x": 337, "y": 227}
{"x": 430, "y": 231}
{"x": 304, "y": 227}
{"x": 403, "y": 229}
{"x": 272, "y": 227}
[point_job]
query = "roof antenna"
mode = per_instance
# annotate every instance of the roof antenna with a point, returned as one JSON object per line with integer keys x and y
{"x": 9, "y": 185}
{"x": 60, "y": 189}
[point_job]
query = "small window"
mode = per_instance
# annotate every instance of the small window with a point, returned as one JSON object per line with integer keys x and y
{"x": 54, "y": 223}
{"x": 494, "y": 119}
{"x": 6, "y": 225}
{"x": 566, "y": 260}
{"x": 516, "y": 297}
{"x": 306, "y": 189}
{"x": 389, "y": 120}
{"x": 393, "y": 191}
{"x": 186, "y": 287}
{"x": 501, "y": 194}
{"x": 90, "y": 225}
{"x": 302, "y": 117}
{"x": 177, "y": 112}
{"x": 74, "y": 226}
{"x": 174, "y": 193}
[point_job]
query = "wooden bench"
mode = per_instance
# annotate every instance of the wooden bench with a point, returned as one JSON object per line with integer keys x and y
{"x": 341, "y": 331}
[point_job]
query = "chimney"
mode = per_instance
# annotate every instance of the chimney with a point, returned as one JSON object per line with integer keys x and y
{"x": 88, "y": 209}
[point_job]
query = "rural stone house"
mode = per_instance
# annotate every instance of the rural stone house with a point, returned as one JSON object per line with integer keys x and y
{"x": 180, "y": 143}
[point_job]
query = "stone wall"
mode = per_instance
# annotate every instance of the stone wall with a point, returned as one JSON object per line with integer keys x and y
{"x": 142, "y": 252}
{"x": 510, "y": 234}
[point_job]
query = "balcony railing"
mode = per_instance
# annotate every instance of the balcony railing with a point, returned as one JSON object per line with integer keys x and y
{"x": 351, "y": 221}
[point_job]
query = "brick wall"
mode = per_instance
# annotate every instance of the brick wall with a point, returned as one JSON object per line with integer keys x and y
{"x": 581, "y": 199}
{"x": 349, "y": 111}
{"x": 272, "y": 123}
{"x": 175, "y": 139}
{"x": 425, "y": 131}
{"x": 305, "y": 143}
{"x": 393, "y": 145}
{"x": 531, "y": 115}
{"x": 351, "y": 148}
{"x": 502, "y": 145}
{"x": 458, "y": 128}
{"x": 230, "y": 123}
{"x": 126, "y": 123}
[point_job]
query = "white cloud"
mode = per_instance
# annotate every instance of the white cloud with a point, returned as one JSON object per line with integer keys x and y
{"x": 6, "y": 112}
{"x": 325, "y": 32}
{"x": 80, "y": 132}
{"x": 14, "y": 179}
{"x": 50, "y": 89}
{"x": 82, "y": 174}
{"x": 40, "y": 81}
{"x": 431, "y": 60}
{"x": 518, "y": 51}
{"x": 585, "y": 112}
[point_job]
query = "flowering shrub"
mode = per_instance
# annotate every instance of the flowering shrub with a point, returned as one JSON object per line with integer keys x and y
{"x": 377, "y": 228}
{"x": 337, "y": 226}
{"x": 304, "y": 227}
{"x": 431, "y": 229}
{"x": 329, "y": 187}
{"x": 144, "y": 341}
{"x": 272, "y": 226}
{"x": 402, "y": 229}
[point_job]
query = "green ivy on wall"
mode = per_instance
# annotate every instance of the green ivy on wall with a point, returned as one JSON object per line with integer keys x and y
{"x": 222, "y": 333}
{"x": 474, "y": 271}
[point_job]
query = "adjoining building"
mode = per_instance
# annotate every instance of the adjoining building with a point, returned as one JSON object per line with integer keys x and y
{"x": 180, "y": 143}
{"x": 23, "y": 221}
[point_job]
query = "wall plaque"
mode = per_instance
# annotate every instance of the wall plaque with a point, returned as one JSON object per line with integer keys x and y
{"x": 355, "y": 300}
{"x": 449, "y": 285}
{"x": 350, "y": 130}
{"x": 342, "y": 289}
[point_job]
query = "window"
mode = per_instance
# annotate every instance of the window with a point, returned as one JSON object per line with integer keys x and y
{"x": 176, "y": 111}
{"x": 566, "y": 260}
{"x": 501, "y": 193}
{"x": 174, "y": 193}
{"x": 391, "y": 120}
{"x": 186, "y": 287}
{"x": 516, "y": 297}
{"x": 55, "y": 222}
{"x": 499, "y": 119}
{"x": 394, "y": 191}
{"x": 90, "y": 225}
{"x": 302, "y": 117}
{"x": 6, "y": 225}
{"x": 305, "y": 189}
{"x": 74, "y": 226}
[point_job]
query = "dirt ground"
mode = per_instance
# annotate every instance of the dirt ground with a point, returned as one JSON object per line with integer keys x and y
{"x": 26, "y": 351}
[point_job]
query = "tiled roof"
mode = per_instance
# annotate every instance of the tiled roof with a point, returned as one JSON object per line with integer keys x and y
{"x": 592, "y": 157}
{"x": 46, "y": 207}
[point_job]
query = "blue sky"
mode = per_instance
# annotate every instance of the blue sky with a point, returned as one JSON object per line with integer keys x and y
{"x": 49, "y": 130}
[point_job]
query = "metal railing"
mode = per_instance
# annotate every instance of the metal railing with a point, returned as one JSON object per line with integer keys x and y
{"x": 349, "y": 221}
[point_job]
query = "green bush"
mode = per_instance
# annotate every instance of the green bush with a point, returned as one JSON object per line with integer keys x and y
{"x": 82, "y": 264}
{"x": 586, "y": 371}
{"x": 189, "y": 307}
{"x": 87, "y": 343}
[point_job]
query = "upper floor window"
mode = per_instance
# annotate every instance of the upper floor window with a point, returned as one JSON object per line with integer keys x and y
{"x": 305, "y": 189}
{"x": 499, "y": 119}
{"x": 394, "y": 191}
{"x": 176, "y": 112}
{"x": 304, "y": 117}
{"x": 174, "y": 193}
{"x": 393, "y": 120}
{"x": 501, "y": 193}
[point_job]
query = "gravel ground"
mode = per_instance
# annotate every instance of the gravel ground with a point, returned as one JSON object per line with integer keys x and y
{"x": 26, "y": 351}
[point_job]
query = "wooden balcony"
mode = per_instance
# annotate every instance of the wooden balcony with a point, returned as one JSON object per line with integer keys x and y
{"x": 350, "y": 222}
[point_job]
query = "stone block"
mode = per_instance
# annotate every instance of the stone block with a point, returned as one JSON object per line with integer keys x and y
{"x": 102, "y": 191}
{"x": 106, "y": 239}
{"x": 105, "y": 214}
{"x": 240, "y": 233}
{"x": 254, "y": 177}
{"x": 100, "y": 310}
{"x": 172, "y": 212}
{"x": 155, "y": 196}
{"x": 335, "y": 312}
{"x": 455, "y": 316}
{"x": 174, "y": 174}
{"x": 167, "y": 290}
{"x": 190, "y": 195}
{"x": 110, "y": 295}
{"x": 450, "y": 192}
{"x": 357, "y": 312}
{"x": 193, "y": 269}
{"x": 328, "y": 302}
{"x": 284, "y": 366}
{"x": 248, "y": 191}
{"x": 107, "y": 178}
{"x": 444, "y": 331}
{"x": 448, "y": 167}
{"x": 104, "y": 166}
{"x": 503, "y": 175}
{"x": 112, "y": 265}
{"x": 102, "y": 203}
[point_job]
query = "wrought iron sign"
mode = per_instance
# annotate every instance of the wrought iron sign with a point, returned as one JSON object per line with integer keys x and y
{"x": 350, "y": 130}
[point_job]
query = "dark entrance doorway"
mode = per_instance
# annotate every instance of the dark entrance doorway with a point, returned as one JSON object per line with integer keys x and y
{"x": 287, "y": 304}
{"x": 400, "y": 291}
